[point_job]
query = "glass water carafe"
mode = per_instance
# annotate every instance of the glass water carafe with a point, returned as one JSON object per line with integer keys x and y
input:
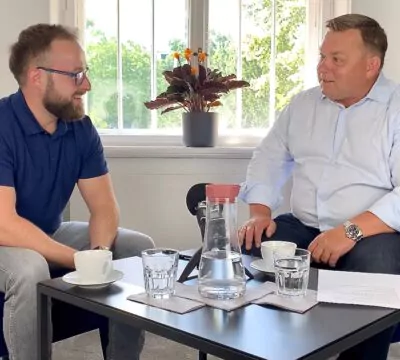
{"x": 221, "y": 271}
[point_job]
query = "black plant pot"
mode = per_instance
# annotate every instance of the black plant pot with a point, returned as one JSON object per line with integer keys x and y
{"x": 200, "y": 129}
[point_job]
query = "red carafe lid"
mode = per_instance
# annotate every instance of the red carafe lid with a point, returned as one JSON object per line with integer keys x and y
{"x": 222, "y": 192}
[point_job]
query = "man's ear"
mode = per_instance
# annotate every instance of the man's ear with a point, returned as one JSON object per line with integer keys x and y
{"x": 33, "y": 76}
{"x": 373, "y": 66}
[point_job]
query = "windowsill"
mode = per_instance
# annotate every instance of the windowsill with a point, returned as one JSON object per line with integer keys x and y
{"x": 178, "y": 152}
{"x": 153, "y": 146}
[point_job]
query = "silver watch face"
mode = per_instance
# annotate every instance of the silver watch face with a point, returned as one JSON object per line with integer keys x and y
{"x": 353, "y": 232}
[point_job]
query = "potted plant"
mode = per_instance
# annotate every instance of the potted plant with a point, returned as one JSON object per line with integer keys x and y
{"x": 196, "y": 89}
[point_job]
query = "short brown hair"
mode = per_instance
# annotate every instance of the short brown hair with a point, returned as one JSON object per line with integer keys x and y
{"x": 34, "y": 42}
{"x": 373, "y": 35}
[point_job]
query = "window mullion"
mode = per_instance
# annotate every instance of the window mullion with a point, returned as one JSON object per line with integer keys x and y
{"x": 120, "y": 89}
{"x": 272, "y": 68}
{"x": 327, "y": 11}
{"x": 153, "y": 66}
{"x": 341, "y": 7}
{"x": 198, "y": 24}
{"x": 312, "y": 40}
{"x": 239, "y": 72}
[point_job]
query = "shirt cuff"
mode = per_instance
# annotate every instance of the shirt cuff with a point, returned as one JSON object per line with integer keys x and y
{"x": 257, "y": 193}
{"x": 388, "y": 209}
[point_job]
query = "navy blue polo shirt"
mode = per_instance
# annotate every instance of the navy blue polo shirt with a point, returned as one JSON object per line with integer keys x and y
{"x": 43, "y": 168}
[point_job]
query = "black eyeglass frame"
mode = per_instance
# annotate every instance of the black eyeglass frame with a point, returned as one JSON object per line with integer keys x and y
{"x": 79, "y": 76}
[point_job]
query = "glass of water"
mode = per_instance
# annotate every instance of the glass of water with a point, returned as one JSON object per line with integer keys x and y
{"x": 160, "y": 267}
{"x": 292, "y": 272}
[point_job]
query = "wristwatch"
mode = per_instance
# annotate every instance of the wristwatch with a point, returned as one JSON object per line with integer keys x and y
{"x": 353, "y": 231}
{"x": 101, "y": 247}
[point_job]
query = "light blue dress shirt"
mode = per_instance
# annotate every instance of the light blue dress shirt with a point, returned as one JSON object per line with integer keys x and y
{"x": 344, "y": 161}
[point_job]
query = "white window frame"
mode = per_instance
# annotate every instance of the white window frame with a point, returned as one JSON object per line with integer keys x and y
{"x": 71, "y": 13}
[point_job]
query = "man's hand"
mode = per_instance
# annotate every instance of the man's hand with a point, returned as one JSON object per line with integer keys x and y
{"x": 253, "y": 229}
{"x": 329, "y": 246}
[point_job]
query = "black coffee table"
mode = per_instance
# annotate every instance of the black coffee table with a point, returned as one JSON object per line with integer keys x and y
{"x": 252, "y": 332}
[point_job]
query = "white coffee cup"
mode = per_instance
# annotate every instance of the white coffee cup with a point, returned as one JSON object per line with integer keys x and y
{"x": 268, "y": 248}
{"x": 93, "y": 266}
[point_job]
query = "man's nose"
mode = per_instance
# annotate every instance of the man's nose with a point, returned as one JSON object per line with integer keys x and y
{"x": 86, "y": 84}
{"x": 323, "y": 65}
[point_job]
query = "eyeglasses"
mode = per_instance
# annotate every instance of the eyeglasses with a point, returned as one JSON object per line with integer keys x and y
{"x": 78, "y": 77}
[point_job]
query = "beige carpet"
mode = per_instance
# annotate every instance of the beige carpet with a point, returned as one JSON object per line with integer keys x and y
{"x": 81, "y": 347}
{"x": 87, "y": 347}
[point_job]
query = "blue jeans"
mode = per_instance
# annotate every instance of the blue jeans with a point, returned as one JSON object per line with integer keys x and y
{"x": 375, "y": 254}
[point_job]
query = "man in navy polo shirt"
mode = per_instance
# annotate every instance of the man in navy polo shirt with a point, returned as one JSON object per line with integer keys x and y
{"x": 47, "y": 146}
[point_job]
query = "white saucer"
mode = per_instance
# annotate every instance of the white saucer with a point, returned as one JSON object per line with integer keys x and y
{"x": 74, "y": 279}
{"x": 260, "y": 266}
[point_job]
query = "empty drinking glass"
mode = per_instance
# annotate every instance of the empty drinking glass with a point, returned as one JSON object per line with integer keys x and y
{"x": 159, "y": 270}
{"x": 292, "y": 272}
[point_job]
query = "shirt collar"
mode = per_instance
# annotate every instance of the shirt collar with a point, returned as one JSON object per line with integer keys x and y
{"x": 380, "y": 91}
{"x": 28, "y": 122}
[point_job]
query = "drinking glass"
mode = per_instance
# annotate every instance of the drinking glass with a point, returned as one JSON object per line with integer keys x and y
{"x": 160, "y": 267}
{"x": 292, "y": 272}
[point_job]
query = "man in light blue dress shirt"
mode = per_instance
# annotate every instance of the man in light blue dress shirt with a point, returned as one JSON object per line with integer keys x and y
{"x": 340, "y": 143}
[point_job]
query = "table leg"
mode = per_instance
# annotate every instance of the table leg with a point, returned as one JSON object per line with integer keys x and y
{"x": 44, "y": 336}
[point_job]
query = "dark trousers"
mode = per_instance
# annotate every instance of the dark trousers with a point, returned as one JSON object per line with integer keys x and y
{"x": 374, "y": 254}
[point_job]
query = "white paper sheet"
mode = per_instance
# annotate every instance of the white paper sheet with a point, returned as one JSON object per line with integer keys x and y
{"x": 344, "y": 287}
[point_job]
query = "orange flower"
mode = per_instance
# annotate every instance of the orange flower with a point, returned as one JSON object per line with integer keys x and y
{"x": 188, "y": 90}
{"x": 215, "y": 103}
{"x": 202, "y": 56}
{"x": 187, "y": 54}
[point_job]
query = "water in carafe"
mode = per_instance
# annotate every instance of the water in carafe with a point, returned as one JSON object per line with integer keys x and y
{"x": 221, "y": 271}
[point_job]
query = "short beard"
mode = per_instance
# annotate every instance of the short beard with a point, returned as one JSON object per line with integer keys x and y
{"x": 60, "y": 107}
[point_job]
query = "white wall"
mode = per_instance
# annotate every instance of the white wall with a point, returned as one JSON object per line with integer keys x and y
{"x": 14, "y": 16}
{"x": 386, "y": 12}
{"x": 151, "y": 190}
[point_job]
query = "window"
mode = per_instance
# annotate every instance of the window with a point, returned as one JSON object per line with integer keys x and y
{"x": 265, "y": 45}
{"x": 273, "y": 44}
